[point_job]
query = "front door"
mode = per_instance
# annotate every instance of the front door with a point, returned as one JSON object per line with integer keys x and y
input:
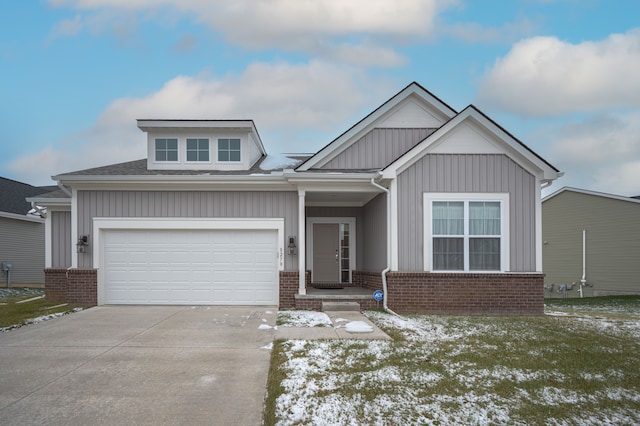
{"x": 326, "y": 265}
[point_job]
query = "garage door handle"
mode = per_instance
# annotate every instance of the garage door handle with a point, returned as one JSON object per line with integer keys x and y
{"x": 336, "y": 256}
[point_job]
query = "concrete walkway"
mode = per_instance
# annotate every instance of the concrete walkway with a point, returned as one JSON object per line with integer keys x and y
{"x": 148, "y": 365}
{"x": 339, "y": 329}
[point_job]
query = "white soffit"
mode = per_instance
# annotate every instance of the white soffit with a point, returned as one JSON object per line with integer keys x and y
{"x": 466, "y": 138}
{"x": 412, "y": 114}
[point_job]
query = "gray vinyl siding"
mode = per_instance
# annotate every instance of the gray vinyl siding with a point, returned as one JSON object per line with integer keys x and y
{"x": 22, "y": 245}
{"x": 343, "y": 212}
{"x": 61, "y": 239}
{"x": 375, "y": 234}
{"x": 612, "y": 243}
{"x": 378, "y": 148}
{"x": 462, "y": 173}
{"x": 202, "y": 204}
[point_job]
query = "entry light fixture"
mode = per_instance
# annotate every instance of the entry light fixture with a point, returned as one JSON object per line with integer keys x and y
{"x": 82, "y": 244}
{"x": 292, "y": 246}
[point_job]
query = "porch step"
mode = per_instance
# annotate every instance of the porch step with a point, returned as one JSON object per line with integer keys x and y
{"x": 340, "y": 306}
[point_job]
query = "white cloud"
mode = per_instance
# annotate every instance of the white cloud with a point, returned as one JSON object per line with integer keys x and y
{"x": 601, "y": 153}
{"x": 352, "y": 31}
{"x": 296, "y": 108}
{"x": 544, "y": 76}
{"x": 473, "y": 32}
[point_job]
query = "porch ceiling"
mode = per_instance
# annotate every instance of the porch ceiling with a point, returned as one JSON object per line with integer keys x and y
{"x": 338, "y": 198}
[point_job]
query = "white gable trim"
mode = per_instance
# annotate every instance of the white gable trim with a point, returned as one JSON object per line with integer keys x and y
{"x": 495, "y": 140}
{"x": 414, "y": 92}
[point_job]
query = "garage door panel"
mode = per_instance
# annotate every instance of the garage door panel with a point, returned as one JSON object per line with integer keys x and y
{"x": 190, "y": 267}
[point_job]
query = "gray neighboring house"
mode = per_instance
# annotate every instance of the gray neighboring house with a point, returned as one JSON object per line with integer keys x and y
{"x": 439, "y": 209}
{"x": 590, "y": 238}
{"x": 22, "y": 236}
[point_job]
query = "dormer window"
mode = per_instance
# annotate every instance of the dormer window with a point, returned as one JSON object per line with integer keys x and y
{"x": 229, "y": 150}
{"x": 197, "y": 149}
{"x": 166, "y": 149}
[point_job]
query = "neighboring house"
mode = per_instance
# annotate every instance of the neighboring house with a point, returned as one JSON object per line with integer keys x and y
{"x": 440, "y": 208}
{"x": 591, "y": 243}
{"x": 21, "y": 236}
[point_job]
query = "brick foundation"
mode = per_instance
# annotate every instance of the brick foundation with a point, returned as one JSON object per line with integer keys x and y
{"x": 371, "y": 280}
{"x": 315, "y": 304}
{"x": 55, "y": 285}
{"x": 467, "y": 294}
{"x": 73, "y": 286}
{"x": 289, "y": 285}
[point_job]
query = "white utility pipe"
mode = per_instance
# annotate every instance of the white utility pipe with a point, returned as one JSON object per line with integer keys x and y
{"x": 388, "y": 268}
{"x": 583, "y": 280}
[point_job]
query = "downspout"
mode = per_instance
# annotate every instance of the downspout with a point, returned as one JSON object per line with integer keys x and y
{"x": 388, "y": 268}
{"x": 42, "y": 213}
{"x": 583, "y": 280}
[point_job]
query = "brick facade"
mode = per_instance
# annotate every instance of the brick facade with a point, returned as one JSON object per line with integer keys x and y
{"x": 73, "y": 286}
{"x": 55, "y": 285}
{"x": 289, "y": 285}
{"x": 370, "y": 280}
{"x": 467, "y": 294}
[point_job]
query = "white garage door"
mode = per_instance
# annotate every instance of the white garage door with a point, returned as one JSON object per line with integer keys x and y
{"x": 183, "y": 267}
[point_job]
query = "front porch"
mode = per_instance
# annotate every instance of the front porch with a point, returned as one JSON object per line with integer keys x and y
{"x": 316, "y": 297}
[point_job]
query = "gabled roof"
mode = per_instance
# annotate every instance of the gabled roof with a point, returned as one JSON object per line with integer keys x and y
{"x": 517, "y": 150}
{"x": 14, "y": 193}
{"x": 338, "y": 145}
{"x": 594, "y": 193}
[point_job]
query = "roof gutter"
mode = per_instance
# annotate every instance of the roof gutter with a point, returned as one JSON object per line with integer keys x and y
{"x": 388, "y": 268}
{"x": 42, "y": 213}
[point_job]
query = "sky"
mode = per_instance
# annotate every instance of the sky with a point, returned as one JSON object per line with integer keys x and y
{"x": 563, "y": 76}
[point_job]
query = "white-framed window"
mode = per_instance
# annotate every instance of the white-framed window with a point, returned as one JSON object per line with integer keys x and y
{"x": 166, "y": 149}
{"x": 229, "y": 150}
{"x": 466, "y": 232}
{"x": 198, "y": 149}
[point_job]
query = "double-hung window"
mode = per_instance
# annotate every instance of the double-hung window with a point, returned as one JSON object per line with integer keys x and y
{"x": 166, "y": 149}
{"x": 197, "y": 149}
{"x": 228, "y": 149}
{"x": 466, "y": 234}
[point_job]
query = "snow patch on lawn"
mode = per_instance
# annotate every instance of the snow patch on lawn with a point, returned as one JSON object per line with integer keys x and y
{"x": 304, "y": 319}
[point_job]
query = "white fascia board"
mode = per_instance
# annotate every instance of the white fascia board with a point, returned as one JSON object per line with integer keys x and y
{"x": 50, "y": 202}
{"x": 179, "y": 182}
{"x": 337, "y": 144}
{"x": 146, "y": 125}
{"x": 515, "y": 150}
{"x": 25, "y": 218}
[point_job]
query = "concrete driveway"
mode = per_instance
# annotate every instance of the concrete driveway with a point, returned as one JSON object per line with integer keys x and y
{"x": 138, "y": 365}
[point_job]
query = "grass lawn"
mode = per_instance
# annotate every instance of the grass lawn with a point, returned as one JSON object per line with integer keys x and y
{"x": 577, "y": 365}
{"x": 20, "y": 310}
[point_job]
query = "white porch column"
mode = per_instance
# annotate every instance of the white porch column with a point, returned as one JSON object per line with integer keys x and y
{"x": 302, "y": 243}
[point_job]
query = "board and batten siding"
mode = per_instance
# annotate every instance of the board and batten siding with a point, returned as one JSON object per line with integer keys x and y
{"x": 61, "y": 239}
{"x": 378, "y": 148}
{"x": 22, "y": 245}
{"x": 612, "y": 243}
{"x": 375, "y": 234}
{"x": 462, "y": 173}
{"x": 187, "y": 204}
